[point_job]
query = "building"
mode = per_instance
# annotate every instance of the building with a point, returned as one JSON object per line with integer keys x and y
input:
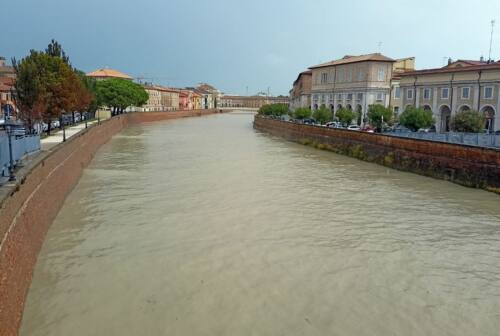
{"x": 7, "y": 80}
{"x": 102, "y": 74}
{"x": 211, "y": 96}
{"x": 399, "y": 67}
{"x": 461, "y": 85}
{"x": 353, "y": 82}
{"x": 161, "y": 99}
{"x": 184, "y": 100}
{"x": 300, "y": 94}
{"x": 254, "y": 102}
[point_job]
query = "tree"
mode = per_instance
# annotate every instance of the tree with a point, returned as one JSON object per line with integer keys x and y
{"x": 322, "y": 115}
{"x": 377, "y": 114}
{"x": 468, "y": 121}
{"x": 274, "y": 109}
{"x": 56, "y": 50}
{"x": 345, "y": 116}
{"x": 416, "y": 118}
{"x": 118, "y": 94}
{"x": 302, "y": 113}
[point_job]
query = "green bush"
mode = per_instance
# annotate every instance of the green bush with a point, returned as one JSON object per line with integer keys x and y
{"x": 322, "y": 115}
{"x": 274, "y": 109}
{"x": 345, "y": 116}
{"x": 378, "y": 113}
{"x": 415, "y": 118}
{"x": 302, "y": 113}
{"x": 468, "y": 121}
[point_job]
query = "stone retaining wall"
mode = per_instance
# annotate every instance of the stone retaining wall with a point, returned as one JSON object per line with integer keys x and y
{"x": 466, "y": 165}
{"x": 28, "y": 207}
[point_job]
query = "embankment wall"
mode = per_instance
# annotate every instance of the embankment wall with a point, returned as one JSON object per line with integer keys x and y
{"x": 466, "y": 165}
{"x": 28, "y": 206}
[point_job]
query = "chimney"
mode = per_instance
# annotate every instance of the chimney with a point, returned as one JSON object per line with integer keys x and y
{"x": 449, "y": 60}
{"x": 481, "y": 59}
{"x": 2, "y": 61}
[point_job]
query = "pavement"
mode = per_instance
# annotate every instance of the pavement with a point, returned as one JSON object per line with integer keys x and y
{"x": 57, "y": 137}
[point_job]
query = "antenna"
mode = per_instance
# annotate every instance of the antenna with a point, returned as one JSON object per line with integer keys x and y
{"x": 379, "y": 46}
{"x": 491, "y": 39}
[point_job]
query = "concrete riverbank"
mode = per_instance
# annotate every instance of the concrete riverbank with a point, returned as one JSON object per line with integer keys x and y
{"x": 29, "y": 205}
{"x": 466, "y": 165}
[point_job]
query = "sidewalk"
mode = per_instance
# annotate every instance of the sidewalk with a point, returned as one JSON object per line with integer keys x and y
{"x": 57, "y": 137}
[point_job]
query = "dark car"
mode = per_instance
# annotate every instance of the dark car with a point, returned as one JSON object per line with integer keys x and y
{"x": 309, "y": 121}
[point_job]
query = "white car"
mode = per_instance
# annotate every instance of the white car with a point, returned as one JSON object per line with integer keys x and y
{"x": 353, "y": 128}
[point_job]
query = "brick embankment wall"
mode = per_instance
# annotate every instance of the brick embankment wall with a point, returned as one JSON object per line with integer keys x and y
{"x": 28, "y": 208}
{"x": 466, "y": 165}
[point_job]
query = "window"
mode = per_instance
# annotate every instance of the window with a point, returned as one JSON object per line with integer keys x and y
{"x": 339, "y": 96}
{"x": 381, "y": 74}
{"x": 488, "y": 92}
{"x": 445, "y": 93}
{"x": 324, "y": 78}
{"x": 409, "y": 94}
{"x": 341, "y": 75}
{"x": 427, "y": 94}
{"x": 465, "y": 92}
{"x": 380, "y": 97}
{"x": 396, "y": 111}
{"x": 330, "y": 97}
{"x": 360, "y": 97}
{"x": 397, "y": 92}
{"x": 361, "y": 77}
{"x": 349, "y": 75}
{"x": 349, "y": 96}
{"x": 315, "y": 97}
{"x": 322, "y": 98}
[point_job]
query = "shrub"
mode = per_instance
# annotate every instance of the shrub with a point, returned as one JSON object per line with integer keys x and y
{"x": 468, "y": 121}
{"x": 322, "y": 115}
{"x": 415, "y": 118}
{"x": 302, "y": 113}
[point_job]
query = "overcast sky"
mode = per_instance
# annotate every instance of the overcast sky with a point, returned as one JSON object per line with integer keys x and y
{"x": 240, "y": 44}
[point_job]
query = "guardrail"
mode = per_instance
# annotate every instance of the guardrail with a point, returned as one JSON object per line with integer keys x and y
{"x": 471, "y": 139}
{"x": 21, "y": 146}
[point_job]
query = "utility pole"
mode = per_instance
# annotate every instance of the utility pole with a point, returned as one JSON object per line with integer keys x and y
{"x": 379, "y": 46}
{"x": 491, "y": 39}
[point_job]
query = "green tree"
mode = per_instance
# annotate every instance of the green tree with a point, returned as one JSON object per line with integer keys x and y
{"x": 118, "y": 94}
{"x": 322, "y": 115}
{"x": 302, "y": 113}
{"x": 468, "y": 121}
{"x": 56, "y": 50}
{"x": 274, "y": 109}
{"x": 415, "y": 118}
{"x": 377, "y": 114}
{"x": 345, "y": 116}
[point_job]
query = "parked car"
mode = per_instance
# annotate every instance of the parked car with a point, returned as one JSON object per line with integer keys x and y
{"x": 401, "y": 129}
{"x": 333, "y": 124}
{"x": 368, "y": 129}
{"x": 353, "y": 128}
{"x": 55, "y": 124}
{"x": 431, "y": 129}
{"x": 309, "y": 121}
{"x": 285, "y": 117}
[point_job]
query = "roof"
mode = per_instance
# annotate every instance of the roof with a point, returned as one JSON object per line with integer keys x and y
{"x": 491, "y": 66}
{"x": 108, "y": 73}
{"x": 303, "y": 73}
{"x": 355, "y": 59}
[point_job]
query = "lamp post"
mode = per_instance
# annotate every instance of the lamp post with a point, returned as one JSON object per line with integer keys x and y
{"x": 8, "y": 126}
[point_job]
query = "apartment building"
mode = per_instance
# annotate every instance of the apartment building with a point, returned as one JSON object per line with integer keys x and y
{"x": 300, "y": 94}
{"x": 7, "y": 79}
{"x": 161, "y": 99}
{"x": 461, "y": 85}
{"x": 353, "y": 82}
{"x": 251, "y": 101}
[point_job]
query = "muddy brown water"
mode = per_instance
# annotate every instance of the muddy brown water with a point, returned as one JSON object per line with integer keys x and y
{"x": 205, "y": 226}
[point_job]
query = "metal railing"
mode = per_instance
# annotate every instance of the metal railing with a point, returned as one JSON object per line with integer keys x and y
{"x": 471, "y": 139}
{"x": 21, "y": 146}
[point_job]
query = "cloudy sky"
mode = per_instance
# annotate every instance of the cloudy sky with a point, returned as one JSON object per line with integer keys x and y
{"x": 242, "y": 46}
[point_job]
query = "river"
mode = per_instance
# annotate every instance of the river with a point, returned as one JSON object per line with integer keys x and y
{"x": 204, "y": 226}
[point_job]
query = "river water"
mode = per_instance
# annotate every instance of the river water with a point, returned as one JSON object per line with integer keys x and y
{"x": 204, "y": 226}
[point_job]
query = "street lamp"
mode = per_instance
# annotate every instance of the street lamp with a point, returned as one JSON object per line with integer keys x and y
{"x": 8, "y": 127}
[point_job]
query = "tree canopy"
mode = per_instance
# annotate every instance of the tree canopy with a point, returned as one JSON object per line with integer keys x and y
{"x": 378, "y": 113}
{"x": 274, "y": 109}
{"x": 322, "y": 115}
{"x": 345, "y": 115}
{"x": 119, "y": 94}
{"x": 416, "y": 118}
{"x": 302, "y": 113}
{"x": 468, "y": 121}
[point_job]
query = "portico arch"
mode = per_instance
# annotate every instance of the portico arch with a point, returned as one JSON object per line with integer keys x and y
{"x": 489, "y": 114}
{"x": 445, "y": 116}
{"x": 427, "y": 108}
{"x": 464, "y": 108}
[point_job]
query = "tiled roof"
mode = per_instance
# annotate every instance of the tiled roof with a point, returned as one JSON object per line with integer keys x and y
{"x": 491, "y": 66}
{"x": 103, "y": 73}
{"x": 355, "y": 59}
{"x": 307, "y": 72}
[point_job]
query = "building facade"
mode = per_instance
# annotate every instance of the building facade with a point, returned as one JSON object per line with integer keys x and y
{"x": 161, "y": 99}
{"x": 459, "y": 86}
{"x": 353, "y": 82}
{"x": 399, "y": 67}
{"x": 300, "y": 94}
{"x": 7, "y": 80}
{"x": 255, "y": 102}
